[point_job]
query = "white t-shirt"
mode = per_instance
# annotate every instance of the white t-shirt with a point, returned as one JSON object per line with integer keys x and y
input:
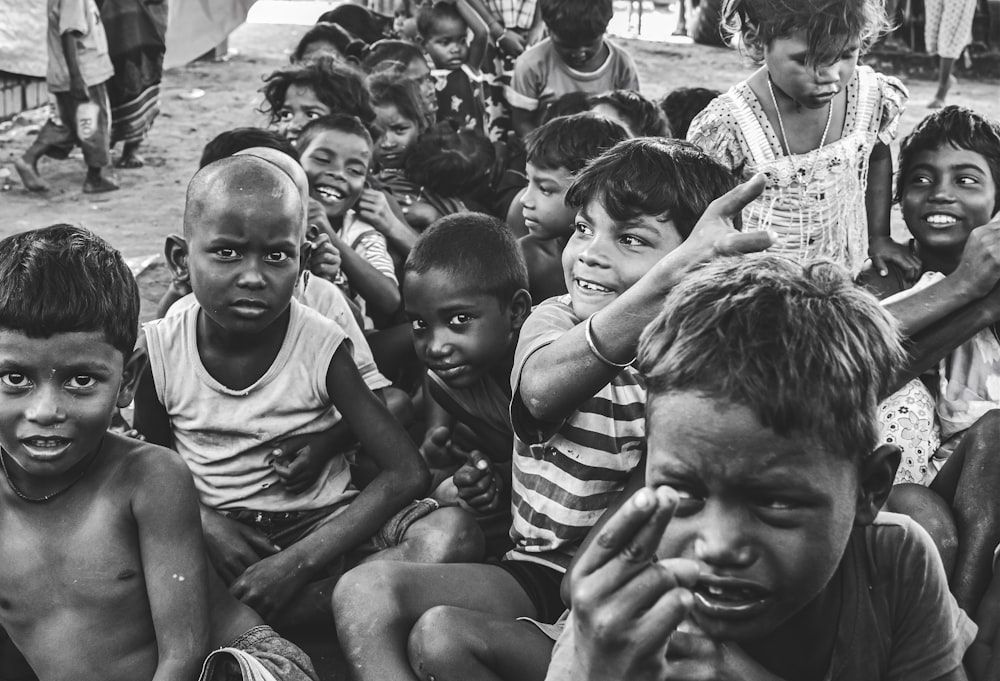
{"x": 82, "y": 18}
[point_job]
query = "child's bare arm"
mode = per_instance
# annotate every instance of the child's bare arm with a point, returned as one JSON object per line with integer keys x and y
{"x": 77, "y": 86}
{"x": 151, "y": 418}
{"x": 480, "y": 32}
{"x": 378, "y": 290}
{"x": 878, "y": 203}
{"x": 171, "y": 547}
{"x": 561, "y": 375}
{"x": 269, "y": 584}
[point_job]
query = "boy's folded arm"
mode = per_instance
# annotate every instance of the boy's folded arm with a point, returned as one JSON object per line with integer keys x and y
{"x": 171, "y": 547}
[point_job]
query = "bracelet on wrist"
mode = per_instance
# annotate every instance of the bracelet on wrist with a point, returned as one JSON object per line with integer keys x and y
{"x": 588, "y": 333}
{"x": 496, "y": 43}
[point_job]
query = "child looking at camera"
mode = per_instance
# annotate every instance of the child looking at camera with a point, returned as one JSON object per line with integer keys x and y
{"x": 817, "y": 124}
{"x": 102, "y": 543}
{"x": 248, "y": 367}
{"x": 575, "y": 57}
{"x": 758, "y": 550}
{"x": 578, "y": 417}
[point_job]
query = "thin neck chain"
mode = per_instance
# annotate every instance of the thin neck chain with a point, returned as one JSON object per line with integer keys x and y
{"x": 781, "y": 123}
{"x": 53, "y": 495}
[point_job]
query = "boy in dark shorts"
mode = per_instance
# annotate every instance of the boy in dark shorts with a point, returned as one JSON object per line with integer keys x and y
{"x": 104, "y": 573}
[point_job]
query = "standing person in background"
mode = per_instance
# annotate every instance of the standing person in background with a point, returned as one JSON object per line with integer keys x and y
{"x": 947, "y": 30}
{"x": 137, "y": 31}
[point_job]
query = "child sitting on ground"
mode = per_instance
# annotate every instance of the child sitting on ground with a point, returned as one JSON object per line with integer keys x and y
{"x": 78, "y": 72}
{"x": 817, "y": 124}
{"x": 248, "y": 366}
{"x": 336, "y": 153}
{"x": 557, "y": 151}
{"x": 577, "y": 412}
{"x": 640, "y": 116}
{"x": 303, "y": 92}
{"x": 758, "y": 550}
{"x": 575, "y": 57}
{"x": 464, "y": 292}
{"x": 947, "y": 188}
{"x": 458, "y": 80}
{"x": 102, "y": 544}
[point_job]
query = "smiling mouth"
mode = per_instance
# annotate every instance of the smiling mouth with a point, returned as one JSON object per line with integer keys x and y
{"x": 591, "y": 286}
{"x": 450, "y": 372}
{"x": 330, "y": 193}
{"x": 940, "y": 220}
{"x": 45, "y": 447}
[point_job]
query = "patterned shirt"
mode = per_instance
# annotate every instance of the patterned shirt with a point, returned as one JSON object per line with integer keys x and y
{"x": 513, "y": 13}
{"x": 566, "y": 475}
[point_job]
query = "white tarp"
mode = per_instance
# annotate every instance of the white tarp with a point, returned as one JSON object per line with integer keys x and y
{"x": 194, "y": 27}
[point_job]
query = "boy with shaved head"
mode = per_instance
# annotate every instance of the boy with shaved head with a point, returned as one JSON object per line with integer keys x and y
{"x": 249, "y": 366}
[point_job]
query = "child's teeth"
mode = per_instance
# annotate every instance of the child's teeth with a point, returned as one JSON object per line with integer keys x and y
{"x": 941, "y": 219}
{"x": 590, "y": 286}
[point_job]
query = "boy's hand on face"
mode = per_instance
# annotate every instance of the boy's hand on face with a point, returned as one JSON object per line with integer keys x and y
{"x": 625, "y": 603}
{"x": 269, "y": 584}
{"x": 693, "y": 656}
{"x": 980, "y": 262}
{"x": 316, "y": 218}
{"x": 233, "y": 546}
{"x": 324, "y": 258}
{"x": 298, "y": 468}
{"x": 883, "y": 250}
{"x": 478, "y": 486}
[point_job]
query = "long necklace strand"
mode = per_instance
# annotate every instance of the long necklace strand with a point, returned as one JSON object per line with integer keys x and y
{"x": 781, "y": 123}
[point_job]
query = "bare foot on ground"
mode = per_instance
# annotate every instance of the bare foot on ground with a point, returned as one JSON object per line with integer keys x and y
{"x": 130, "y": 157}
{"x": 29, "y": 175}
{"x": 98, "y": 185}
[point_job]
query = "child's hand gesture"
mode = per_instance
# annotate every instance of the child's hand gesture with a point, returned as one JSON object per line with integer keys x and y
{"x": 324, "y": 258}
{"x": 511, "y": 44}
{"x": 373, "y": 208}
{"x": 298, "y": 467}
{"x": 979, "y": 266}
{"x": 626, "y": 604}
{"x": 477, "y": 484}
{"x": 883, "y": 249}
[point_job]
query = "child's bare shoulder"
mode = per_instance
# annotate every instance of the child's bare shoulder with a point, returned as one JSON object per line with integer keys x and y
{"x": 142, "y": 465}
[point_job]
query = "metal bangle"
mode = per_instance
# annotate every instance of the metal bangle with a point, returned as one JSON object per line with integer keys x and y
{"x": 589, "y": 334}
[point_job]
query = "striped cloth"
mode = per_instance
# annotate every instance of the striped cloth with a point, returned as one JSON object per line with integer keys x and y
{"x": 564, "y": 478}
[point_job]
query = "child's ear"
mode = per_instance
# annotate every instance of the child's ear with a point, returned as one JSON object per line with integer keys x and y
{"x": 135, "y": 364}
{"x": 175, "y": 252}
{"x": 876, "y": 476}
{"x": 519, "y": 309}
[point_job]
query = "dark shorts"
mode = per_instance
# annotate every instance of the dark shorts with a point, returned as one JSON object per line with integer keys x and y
{"x": 58, "y": 137}
{"x": 540, "y": 583}
{"x": 283, "y": 659}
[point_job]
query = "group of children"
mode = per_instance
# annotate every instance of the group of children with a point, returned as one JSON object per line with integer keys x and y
{"x": 525, "y": 403}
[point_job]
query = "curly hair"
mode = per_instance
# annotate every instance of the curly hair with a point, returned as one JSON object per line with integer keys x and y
{"x": 338, "y": 86}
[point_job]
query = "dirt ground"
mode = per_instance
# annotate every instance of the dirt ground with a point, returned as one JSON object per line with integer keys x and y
{"x": 150, "y": 202}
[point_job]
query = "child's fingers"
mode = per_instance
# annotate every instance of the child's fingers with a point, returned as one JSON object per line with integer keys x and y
{"x": 628, "y": 533}
{"x": 478, "y": 460}
{"x": 683, "y": 644}
{"x": 728, "y": 206}
{"x": 259, "y": 542}
{"x": 879, "y": 264}
{"x": 737, "y": 243}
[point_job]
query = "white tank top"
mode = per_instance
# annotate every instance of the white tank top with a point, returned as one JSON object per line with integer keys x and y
{"x": 226, "y": 435}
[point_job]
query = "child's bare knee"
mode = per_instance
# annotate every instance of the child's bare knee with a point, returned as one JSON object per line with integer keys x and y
{"x": 372, "y": 591}
{"x": 436, "y": 641}
{"x": 448, "y": 535}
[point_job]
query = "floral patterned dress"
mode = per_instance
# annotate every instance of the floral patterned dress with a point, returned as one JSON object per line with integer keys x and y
{"x": 814, "y": 202}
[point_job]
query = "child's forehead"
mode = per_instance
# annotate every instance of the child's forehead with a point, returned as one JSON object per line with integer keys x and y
{"x": 340, "y": 142}
{"x": 446, "y": 26}
{"x": 67, "y": 348}
{"x": 947, "y": 154}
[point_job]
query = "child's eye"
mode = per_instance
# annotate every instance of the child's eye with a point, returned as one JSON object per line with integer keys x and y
{"x": 968, "y": 180}
{"x": 401, "y": 129}
{"x": 276, "y": 257}
{"x": 545, "y": 192}
{"x": 630, "y": 240}
{"x": 357, "y": 172}
{"x": 313, "y": 115}
{"x": 226, "y": 253}
{"x": 14, "y": 380}
{"x": 583, "y": 228}
{"x": 459, "y": 319}
{"x": 82, "y": 381}
{"x": 920, "y": 179}
{"x": 417, "y": 324}
{"x": 284, "y": 115}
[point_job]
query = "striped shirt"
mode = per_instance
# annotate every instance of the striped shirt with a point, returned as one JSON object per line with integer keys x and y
{"x": 369, "y": 243}
{"x": 566, "y": 475}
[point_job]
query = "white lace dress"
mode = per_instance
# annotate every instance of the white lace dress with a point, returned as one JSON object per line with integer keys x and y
{"x": 814, "y": 202}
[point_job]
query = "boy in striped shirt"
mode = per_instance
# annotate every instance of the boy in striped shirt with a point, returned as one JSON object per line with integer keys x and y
{"x": 578, "y": 417}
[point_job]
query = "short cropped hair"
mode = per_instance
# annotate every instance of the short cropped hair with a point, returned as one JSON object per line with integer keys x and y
{"x": 652, "y": 176}
{"x": 430, "y": 15}
{"x": 451, "y": 162}
{"x": 340, "y": 87}
{"x": 394, "y": 89}
{"x": 360, "y": 22}
{"x": 577, "y": 21}
{"x": 957, "y": 127}
{"x": 227, "y": 143}
{"x": 346, "y": 44}
{"x": 476, "y": 250}
{"x": 644, "y": 117}
{"x": 64, "y": 279}
{"x": 800, "y": 345}
{"x": 680, "y": 106}
{"x": 391, "y": 51}
{"x": 827, "y": 24}
{"x": 350, "y": 125}
{"x": 570, "y": 142}
{"x": 567, "y": 104}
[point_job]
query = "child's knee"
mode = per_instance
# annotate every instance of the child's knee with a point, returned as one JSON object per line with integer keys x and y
{"x": 437, "y": 641}
{"x": 932, "y": 513}
{"x": 368, "y": 595}
{"x": 448, "y": 535}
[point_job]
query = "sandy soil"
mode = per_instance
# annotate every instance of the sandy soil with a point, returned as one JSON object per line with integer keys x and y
{"x": 150, "y": 202}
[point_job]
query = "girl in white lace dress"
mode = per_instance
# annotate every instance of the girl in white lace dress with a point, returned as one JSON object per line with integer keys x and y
{"x": 817, "y": 124}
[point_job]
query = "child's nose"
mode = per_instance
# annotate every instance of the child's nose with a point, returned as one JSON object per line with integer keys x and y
{"x": 251, "y": 277}
{"x": 941, "y": 193}
{"x": 44, "y": 408}
{"x": 721, "y": 541}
